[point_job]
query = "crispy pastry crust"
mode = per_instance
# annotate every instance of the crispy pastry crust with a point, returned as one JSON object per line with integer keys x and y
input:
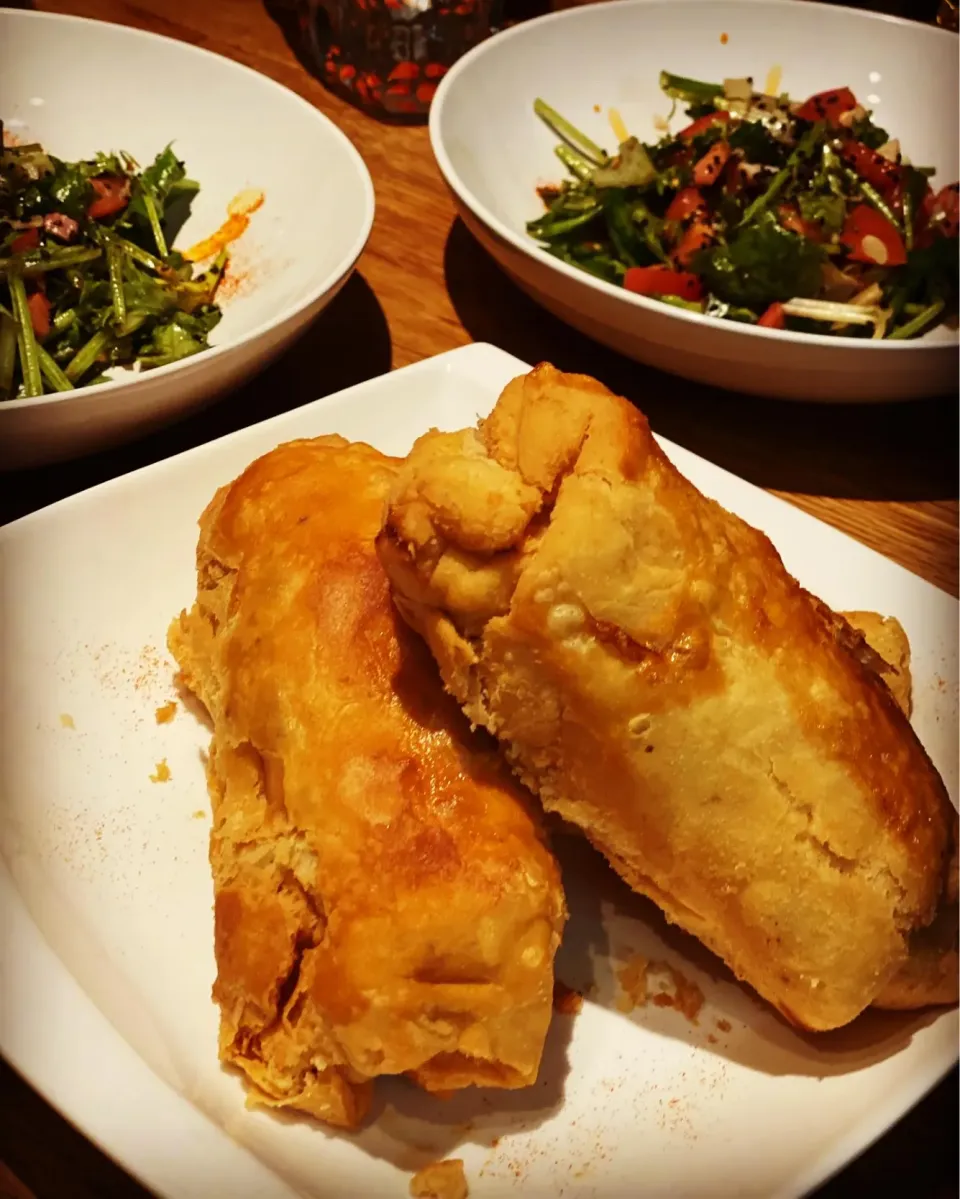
{"x": 658, "y": 678}
{"x": 385, "y": 902}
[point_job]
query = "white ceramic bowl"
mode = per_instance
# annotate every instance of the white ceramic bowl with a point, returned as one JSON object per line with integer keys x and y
{"x": 79, "y": 86}
{"x": 493, "y": 152}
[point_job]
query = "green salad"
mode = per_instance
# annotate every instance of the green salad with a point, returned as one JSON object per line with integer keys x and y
{"x": 88, "y": 280}
{"x": 800, "y": 216}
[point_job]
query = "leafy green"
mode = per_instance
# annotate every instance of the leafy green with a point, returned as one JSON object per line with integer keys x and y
{"x": 69, "y": 190}
{"x": 756, "y": 144}
{"x": 692, "y": 91}
{"x": 114, "y": 292}
{"x": 624, "y": 234}
{"x": 611, "y": 216}
{"x": 763, "y": 263}
{"x": 828, "y": 210}
{"x": 871, "y": 135}
{"x": 180, "y": 337}
{"x": 631, "y": 168}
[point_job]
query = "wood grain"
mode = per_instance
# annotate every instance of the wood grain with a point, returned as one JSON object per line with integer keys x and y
{"x": 887, "y": 476}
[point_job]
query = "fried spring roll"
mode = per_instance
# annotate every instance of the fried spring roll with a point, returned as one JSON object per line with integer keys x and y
{"x": 384, "y": 900}
{"x": 657, "y": 677}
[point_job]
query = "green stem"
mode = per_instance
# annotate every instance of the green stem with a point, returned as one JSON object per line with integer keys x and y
{"x": 802, "y": 150}
{"x": 694, "y": 91}
{"x": 908, "y": 218}
{"x": 115, "y": 266}
{"x": 87, "y": 355}
{"x": 549, "y": 226}
{"x": 65, "y": 320}
{"x": 562, "y": 127}
{"x": 52, "y": 373}
{"x": 144, "y": 257}
{"x": 873, "y": 197}
{"x": 150, "y": 205}
{"x": 8, "y": 354}
{"x": 645, "y": 219}
{"x": 55, "y": 261}
{"x": 574, "y": 161}
{"x": 135, "y": 318}
{"x": 679, "y": 302}
{"x": 29, "y": 360}
{"x": 919, "y": 322}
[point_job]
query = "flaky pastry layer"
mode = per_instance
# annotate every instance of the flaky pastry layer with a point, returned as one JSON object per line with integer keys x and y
{"x": 658, "y": 678}
{"x": 385, "y": 903}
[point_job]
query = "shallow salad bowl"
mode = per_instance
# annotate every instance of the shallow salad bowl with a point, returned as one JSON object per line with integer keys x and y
{"x": 494, "y": 152}
{"x": 80, "y": 86}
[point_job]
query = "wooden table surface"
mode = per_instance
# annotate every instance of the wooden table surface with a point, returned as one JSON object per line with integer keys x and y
{"x": 887, "y": 475}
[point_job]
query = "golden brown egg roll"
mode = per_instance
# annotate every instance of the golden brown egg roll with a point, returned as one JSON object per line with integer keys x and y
{"x": 385, "y": 901}
{"x": 657, "y": 677}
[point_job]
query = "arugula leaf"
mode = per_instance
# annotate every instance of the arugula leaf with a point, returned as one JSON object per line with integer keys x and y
{"x": 826, "y": 210}
{"x": 593, "y": 261}
{"x": 69, "y": 189}
{"x": 160, "y": 188}
{"x": 163, "y": 173}
{"x": 930, "y": 273}
{"x": 170, "y": 342}
{"x": 631, "y": 168}
{"x": 757, "y": 145}
{"x": 869, "y": 134}
{"x": 763, "y": 263}
{"x": 701, "y": 109}
{"x": 627, "y": 242}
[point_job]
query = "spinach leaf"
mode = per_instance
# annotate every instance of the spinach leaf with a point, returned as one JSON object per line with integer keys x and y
{"x": 763, "y": 263}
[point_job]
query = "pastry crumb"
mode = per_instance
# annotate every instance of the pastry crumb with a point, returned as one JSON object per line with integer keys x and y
{"x": 566, "y": 1000}
{"x": 440, "y": 1180}
{"x": 677, "y": 991}
{"x": 162, "y": 774}
{"x": 67, "y": 720}
{"x": 633, "y": 984}
{"x": 199, "y": 814}
{"x": 166, "y": 712}
{"x": 724, "y": 1025}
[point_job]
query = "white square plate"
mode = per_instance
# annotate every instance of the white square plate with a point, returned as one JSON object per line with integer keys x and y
{"x": 107, "y": 955}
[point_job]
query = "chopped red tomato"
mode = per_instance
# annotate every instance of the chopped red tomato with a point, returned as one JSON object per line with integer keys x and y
{"x": 869, "y": 237}
{"x": 791, "y": 219}
{"x": 945, "y": 210}
{"x": 685, "y": 203}
{"x": 696, "y": 238}
{"x": 710, "y": 167}
{"x": 828, "y": 106}
{"x": 732, "y": 176}
{"x": 702, "y": 124}
{"x": 872, "y": 167}
{"x": 113, "y": 192}
{"x": 774, "y": 317}
{"x": 26, "y": 241}
{"x": 39, "y": 307}
{"x": 662, "y": 281}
